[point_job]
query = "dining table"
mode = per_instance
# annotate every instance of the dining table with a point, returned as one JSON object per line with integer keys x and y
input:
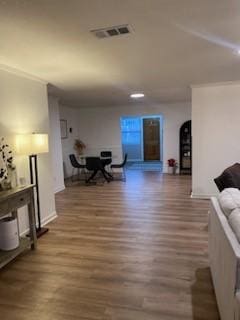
{"x": 105, "y": 161}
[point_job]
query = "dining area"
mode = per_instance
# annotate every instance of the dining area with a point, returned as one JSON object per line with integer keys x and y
{"x": 97, "y": 167}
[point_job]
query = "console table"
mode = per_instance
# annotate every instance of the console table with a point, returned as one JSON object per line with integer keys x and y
{"x": 10, "y": 202}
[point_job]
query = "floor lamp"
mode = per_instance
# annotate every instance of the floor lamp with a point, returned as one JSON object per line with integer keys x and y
{"x": 32, "y": 145}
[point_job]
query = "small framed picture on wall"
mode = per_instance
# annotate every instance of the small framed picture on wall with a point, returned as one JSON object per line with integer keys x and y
{"x": 63, "y": 127}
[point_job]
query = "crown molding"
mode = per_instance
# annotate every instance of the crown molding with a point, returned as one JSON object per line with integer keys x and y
{"x": 22, "y": 73}
{"x": 215, "y": 84}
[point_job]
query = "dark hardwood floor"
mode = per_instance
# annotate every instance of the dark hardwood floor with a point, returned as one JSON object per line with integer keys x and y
{"x": 118, "y": 251}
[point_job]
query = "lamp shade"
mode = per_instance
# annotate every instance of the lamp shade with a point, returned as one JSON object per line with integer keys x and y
{"x": 28, "y": 144}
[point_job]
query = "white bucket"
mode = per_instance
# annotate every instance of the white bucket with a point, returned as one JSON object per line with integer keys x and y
{"x": 9, "y": 237}
{"x": 170, "y": 170}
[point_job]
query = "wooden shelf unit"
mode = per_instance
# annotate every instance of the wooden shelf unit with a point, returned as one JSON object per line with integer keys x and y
{"x": 7, "y": 256}
{"x": 185, "y": 144}
{"x": 10, "y": 202}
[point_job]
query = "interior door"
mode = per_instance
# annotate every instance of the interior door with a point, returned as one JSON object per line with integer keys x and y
{"x": 151, "y": 138}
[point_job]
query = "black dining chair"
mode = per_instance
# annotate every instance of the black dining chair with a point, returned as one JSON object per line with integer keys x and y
{"x": 76, "y": 165}
{"x": 95, "y": 165}
{"x": 106, "y": 154}
{"x": 106, "y": 158}
{"x": 121, "y": 166}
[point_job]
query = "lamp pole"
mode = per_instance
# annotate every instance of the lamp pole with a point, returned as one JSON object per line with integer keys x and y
{"x": 31, "y": 145}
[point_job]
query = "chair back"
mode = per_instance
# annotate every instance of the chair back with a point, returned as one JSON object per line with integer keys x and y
{"x": 74, "y": 161}
{"x": 93, "y": 163}
{"x": 124, "y": 160}
{"x": 106, "y": 154}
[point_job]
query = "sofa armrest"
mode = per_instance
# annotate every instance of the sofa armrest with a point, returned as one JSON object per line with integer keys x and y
{"x": 224, "y": 261}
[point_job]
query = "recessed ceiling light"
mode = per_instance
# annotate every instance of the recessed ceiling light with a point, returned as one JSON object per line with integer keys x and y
{"x": 137, "y": 95}
{"x": 238, "y": 51}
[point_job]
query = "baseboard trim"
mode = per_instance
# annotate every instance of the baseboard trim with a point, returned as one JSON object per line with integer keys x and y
{"x": 49, "y": 218}
{"x": 59, "y": 189}
{"x": 202, "y": 196}
{"x": 45, "y": 221}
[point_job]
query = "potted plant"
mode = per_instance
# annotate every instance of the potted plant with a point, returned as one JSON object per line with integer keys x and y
{"x": 79, "y": 146}
{"x": 172, "y": 166}
{"x": 7, "y": 167}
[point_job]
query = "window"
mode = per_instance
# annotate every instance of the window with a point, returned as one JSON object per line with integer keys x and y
{"x": 132, "y": 137}
{"x": 131, "y": 131}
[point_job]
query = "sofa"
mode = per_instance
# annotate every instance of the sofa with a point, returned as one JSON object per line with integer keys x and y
{"x": 224, "y": 251}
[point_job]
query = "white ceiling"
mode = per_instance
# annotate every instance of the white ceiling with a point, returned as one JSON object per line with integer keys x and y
{"x": 175, "y": 43}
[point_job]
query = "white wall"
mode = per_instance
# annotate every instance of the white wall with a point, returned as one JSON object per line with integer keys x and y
{"x": 216, "y": 134}
{"x": 73, "y": 121}
{"x": 24, "y": 109}
{"x": 55, "y": 144}
{"x": 99, "y": 128}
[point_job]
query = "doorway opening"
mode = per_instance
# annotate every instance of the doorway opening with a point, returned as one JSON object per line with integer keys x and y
{"x": 142, "y": 140}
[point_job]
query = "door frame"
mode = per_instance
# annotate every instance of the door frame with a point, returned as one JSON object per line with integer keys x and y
{"x": 157, "y": 120}
{"x": 160, "y": 117}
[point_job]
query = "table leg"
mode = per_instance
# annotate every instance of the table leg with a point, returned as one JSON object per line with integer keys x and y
{"x": 92, "y": 176}
{"x": 32, "y": 225}
{"x": 109, "y": 174}
{"x": 15, "y": 215}
{"x": 104, "y": 173}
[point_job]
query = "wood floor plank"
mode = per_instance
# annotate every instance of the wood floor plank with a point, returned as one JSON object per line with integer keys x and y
{"x": 118, "y": 251}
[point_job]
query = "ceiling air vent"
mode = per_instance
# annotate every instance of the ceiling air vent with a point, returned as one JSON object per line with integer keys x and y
{"x": 111, "y": 31}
